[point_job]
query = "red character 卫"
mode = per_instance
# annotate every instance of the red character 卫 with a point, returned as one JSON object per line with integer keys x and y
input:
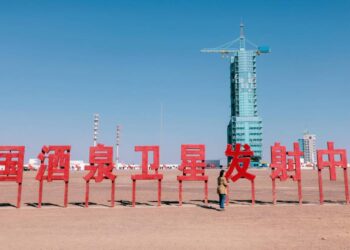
{"x": 240, "y": 162}
{"x": 193, "y": 167}
{"x": 101, "y": 167}
{"x": 55, "y": 161}
{"x": 330, "y": 154}
{"x": 145, "y": 175}
{"x": 283, "y": 168}
{"x": 11, "y": 159}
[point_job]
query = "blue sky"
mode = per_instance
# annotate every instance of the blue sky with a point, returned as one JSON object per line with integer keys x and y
{"x": 62, "y": 61}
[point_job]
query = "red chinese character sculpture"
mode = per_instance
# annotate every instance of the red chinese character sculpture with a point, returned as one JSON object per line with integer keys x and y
{"x": 101, "y": 167}
{"x": 145, "y": 175}
{"x": 332, "y": 163}
{"x": 55, "y": 161}
{"x": 240, "y": 161}
{"x": 193, "y": 167}
{"x": 11, "y": 161}
{"x": 283, "y": 168}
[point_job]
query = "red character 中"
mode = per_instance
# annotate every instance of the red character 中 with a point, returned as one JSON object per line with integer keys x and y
{"x": 283, "y": 168}
{"x": 240, "y": 162}
{"x": 11, "y": 161}
{"x": 55, "y": 161}
{"x": 330, "y": 154}
{"x": 193, "y": 167}
{"x": 101, "y": 167}
{"x": 145, "y": 175}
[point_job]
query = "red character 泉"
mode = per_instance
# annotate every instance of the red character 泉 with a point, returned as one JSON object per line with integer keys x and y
{"x": 193, "y": 167}
{"x": 240, "y": 162}
{"x": 55, "y": 161}
{"x": 11, "y": 167}
{"x": 145, "y": 175}
{"x": 101, "y": 167}
{"x": 327, "y": 158}
{"x": 283, "y": 168}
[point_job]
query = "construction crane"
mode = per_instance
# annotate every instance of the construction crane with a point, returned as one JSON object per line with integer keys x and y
{"x": 228, "y": 48}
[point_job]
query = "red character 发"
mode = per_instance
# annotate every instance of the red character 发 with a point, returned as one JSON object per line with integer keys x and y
{"x": 145, "y": 175}
{"x": 240, "y": 162}
{"x": 101, "y": 167}
{"x": 11, "y": 160}
{"x": 55, "y": 160}
{"x": 193, "y": 167}
{"x": 332, "y": 163}
{"x": 283, "y": 168}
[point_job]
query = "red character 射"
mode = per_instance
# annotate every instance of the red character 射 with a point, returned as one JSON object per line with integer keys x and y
{"x": 55, "y": 160}
{"x": 145, "y": 175}
{"x": 240, "y": 162}
{"x": 193, "y": 167}
{"x": 101, "y": 167}
{"x": 330, "y": 154}
{"x": 283, "y": 168}
{"x": 11, "y": 161}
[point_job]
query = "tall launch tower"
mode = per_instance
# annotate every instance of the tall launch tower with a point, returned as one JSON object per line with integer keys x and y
{"x": 245, "y": 125}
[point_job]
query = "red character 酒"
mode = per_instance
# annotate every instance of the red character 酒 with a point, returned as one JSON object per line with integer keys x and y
{"x": 55, "y": 162}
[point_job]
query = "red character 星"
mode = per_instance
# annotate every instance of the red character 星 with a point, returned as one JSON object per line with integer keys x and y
{"x": 101, "y": 167}
{"x": 55, "y": 161}
{"x": 11, "y": 167}
{"x": 240, "y": 162}
{"x": 283, "y": 168}
{"x": 193, "y": 167}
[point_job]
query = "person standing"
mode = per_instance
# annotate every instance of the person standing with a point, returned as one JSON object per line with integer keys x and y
{"x": 222, "y": 189}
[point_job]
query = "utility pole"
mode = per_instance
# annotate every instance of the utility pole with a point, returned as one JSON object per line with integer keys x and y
{"x": 96, "y": 124}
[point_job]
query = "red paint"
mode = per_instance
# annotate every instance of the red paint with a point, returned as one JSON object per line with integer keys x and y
{"x": 101, "y": 167}
{"x": 193, "y": 167}
{"x": 11, "y": 158}
{"x": 145, "y": 175}
{"x": 327, "y": 158}
{"x": 283, "y": 168}
{"x": 55, "y": 163}
{"x": 240, "y": 162}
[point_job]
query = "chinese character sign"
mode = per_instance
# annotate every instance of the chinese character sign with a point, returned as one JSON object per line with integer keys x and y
{"x": 238, "y": 167}
{"x": 55, "y": 164}
{"x": 332, "y": 158}
{"x": 100, "y": 168}
{"x": 283, "y": 168}
{"x": 193, "y": 167}
{"x": 11, "y": 167}
{"x": 146, "y": 175}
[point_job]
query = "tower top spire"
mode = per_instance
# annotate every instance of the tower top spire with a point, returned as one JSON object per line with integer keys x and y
{"x": 241, "y": 37}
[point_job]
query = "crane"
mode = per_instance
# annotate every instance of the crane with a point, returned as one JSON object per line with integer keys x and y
{"x": 227, "y": 48}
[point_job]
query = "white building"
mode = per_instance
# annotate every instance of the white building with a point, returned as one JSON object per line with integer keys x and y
{"x": 309, "y": 141}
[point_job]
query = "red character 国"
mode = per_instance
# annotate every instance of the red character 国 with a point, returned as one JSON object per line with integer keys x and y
{"x": 327, "y": 158}
{"x": 283, "y": 168}
{"x": 145, "y": 175}
{"x": 240, "y": 162}
{"x": 55, "y": 162}
{"x": 101, "y": 167}
{"x": 11, "y": 167}
{"x": 193, "y": 167}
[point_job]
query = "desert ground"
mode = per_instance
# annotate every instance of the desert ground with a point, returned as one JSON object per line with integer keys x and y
{"x": 195, "y": 225}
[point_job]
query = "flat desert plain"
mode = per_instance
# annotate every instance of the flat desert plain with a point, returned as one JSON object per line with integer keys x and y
{"x": 195, "y": 225}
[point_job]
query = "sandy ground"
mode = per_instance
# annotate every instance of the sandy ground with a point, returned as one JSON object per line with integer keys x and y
{"x": 192, "y": 226}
